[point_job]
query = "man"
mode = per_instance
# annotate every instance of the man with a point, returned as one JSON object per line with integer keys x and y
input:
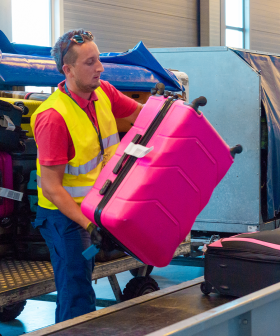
{"x": 76, "y": 134}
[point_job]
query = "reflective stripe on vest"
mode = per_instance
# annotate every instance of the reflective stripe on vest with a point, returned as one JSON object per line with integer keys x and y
{"x": 84, "y": 169}
{"x": 89, "y": 166}
{"x": 73, "y": 191}
{"x": 111, "y": 140}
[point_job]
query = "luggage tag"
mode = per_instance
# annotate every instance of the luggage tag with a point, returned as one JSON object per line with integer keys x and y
{"x": 7, "y": 123}
{"x": 133, "y": 149}
{"x": 90, "y": 252}
{"x": 138, "y": 151}
{"x": 8, "y": 193}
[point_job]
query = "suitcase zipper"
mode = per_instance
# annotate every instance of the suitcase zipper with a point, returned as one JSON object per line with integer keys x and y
{"x": 217, "y": 252}
{"x": 126, "y": 168}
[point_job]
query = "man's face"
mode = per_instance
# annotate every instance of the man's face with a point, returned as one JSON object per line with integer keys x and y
{"x": 87, "y": 69}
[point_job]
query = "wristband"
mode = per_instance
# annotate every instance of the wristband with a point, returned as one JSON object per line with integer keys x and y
{"x": 90, "y": 227}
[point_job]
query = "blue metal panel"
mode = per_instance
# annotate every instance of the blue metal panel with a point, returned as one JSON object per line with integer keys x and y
{"x": 232, "y": 89}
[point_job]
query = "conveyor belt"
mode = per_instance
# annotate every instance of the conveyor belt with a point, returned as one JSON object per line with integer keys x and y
{"x": 142, "y": 315}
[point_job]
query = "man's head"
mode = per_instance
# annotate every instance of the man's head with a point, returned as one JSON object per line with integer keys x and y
{"x": 78, "y": 59}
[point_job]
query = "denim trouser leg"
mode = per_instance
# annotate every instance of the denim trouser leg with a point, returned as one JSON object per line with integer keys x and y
{"x": 66, "y": 241}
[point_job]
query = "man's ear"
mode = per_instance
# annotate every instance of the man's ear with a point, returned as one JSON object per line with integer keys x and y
{"x": 67, "y": 69}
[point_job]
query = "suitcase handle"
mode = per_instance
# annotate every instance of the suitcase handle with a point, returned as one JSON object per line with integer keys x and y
{"x": 119, "y": 164}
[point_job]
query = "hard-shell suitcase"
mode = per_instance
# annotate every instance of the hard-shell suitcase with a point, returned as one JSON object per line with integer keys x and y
{"x": 24, "y": 163}
{"x": 32, "y": 105}
{"x": 29, "y": 243}
{"x": 147, "y": 197}
{"x": 242, "y": 264}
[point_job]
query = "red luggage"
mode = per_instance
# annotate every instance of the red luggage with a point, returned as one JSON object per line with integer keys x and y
{"x": 7, "y": 195}
{"x": 165, "y": 169}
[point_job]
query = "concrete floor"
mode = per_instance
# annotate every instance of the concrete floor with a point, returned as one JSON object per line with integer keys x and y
{"x": 39, "y": 314}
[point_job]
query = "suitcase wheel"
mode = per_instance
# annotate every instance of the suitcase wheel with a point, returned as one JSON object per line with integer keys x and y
{"x": 12, "y": 311}
{"x": 139, "y": 286}
{"x": 206, "y": 288}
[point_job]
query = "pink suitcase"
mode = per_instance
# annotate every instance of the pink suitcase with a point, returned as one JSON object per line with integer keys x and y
{"x": 6, "y": 181}
{"x": 148, "y": 205}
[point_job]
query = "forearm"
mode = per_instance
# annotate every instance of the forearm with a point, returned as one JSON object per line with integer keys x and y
{"x": 66, "y": 204}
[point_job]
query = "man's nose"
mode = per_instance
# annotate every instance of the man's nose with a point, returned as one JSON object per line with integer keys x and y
{"x": 99, "y": 67}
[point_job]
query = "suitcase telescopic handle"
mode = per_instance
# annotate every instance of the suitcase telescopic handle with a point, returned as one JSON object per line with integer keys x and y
{"x": 236, "y": 150}
{"x": 159, "y": 89}
{"x": 24, "y": 109}
{"x": 1, "y": 185}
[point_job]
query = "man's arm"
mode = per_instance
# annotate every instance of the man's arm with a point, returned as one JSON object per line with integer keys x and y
{"x": 51, "y": 180}
{"x": 124, "y": 124}
{"x": 135, "y": 114}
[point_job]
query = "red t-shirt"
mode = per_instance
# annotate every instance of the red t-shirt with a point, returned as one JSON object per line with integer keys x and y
{"x": 54, "y": 142}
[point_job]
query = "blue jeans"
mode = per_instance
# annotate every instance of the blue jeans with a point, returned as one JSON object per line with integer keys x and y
{"x": 66, "y": 241}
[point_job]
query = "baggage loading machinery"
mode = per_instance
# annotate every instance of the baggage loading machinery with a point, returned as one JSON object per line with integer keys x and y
{"x": 234, "y": 85}
{"x": 180, "y": 310}
{"x": 22, "y": 280}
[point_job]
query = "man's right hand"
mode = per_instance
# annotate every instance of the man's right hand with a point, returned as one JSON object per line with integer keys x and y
{"x": 95, "y": 236}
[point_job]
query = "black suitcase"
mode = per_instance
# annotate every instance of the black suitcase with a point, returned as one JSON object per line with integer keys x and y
{"x": 28, "y": 242}
{"x": 25, "y": 162}
{"x": 32, "y": 248}
{"x": 11, "y": 134}
{"x": 6, "y": 242}
{"x": 242, "y": 264}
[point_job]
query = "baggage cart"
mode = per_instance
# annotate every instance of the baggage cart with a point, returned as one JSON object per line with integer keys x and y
{"x": 22, "y": 280}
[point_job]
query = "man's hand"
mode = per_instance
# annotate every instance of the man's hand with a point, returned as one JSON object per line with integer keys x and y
{"x": 95, "y": 236}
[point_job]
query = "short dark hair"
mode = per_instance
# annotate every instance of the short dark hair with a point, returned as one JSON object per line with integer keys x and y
{"x": 60, "y": 45}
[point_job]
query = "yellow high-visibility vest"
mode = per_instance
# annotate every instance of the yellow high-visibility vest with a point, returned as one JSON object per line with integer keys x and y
{"x": 82, "y": 171}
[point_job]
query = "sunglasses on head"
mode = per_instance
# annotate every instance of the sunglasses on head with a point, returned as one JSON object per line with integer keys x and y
{"x": 79, "y": 39}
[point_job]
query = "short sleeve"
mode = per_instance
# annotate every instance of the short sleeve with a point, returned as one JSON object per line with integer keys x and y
{"x": 122, "y": 106}
{"x": 53, "y": 138}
